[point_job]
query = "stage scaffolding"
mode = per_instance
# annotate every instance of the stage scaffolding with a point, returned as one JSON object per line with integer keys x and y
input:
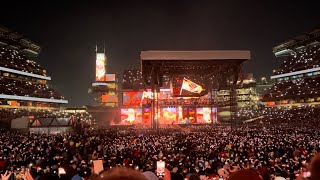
{"x": 219, "y": 68}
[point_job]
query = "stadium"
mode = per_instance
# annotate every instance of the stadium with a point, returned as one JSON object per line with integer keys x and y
{"x": 183, "y": 114}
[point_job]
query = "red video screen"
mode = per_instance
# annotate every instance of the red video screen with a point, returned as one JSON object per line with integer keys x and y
{"x": 109, "y": 98}
{"x": 110, "y": 77}
{"x": 132, "y": 97}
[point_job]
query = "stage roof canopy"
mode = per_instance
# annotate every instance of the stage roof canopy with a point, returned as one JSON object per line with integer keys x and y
{"x": 191, "y": 62}
{"x": 240, "y": 55}
{"x": 220, "y": 64}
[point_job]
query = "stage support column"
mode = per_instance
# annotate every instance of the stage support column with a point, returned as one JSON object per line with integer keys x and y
{"x": 152, "y": 110}
{"x": 155, "y": 110}
{"x": 213, "y": 94}
{"x": 233, "y": 104}
{"x": 211, "y": 105}
{"x": 153, "y": 104}
{"x": 157, "y": 90}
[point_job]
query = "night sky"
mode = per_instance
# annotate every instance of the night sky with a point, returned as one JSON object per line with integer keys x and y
{"x": 68, "y": 32}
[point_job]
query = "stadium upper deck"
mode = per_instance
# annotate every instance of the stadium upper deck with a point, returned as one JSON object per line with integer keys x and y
{"x": 300, "y": 55}
{"x": 297, "y": 79}
{"x": 23, "y": 82}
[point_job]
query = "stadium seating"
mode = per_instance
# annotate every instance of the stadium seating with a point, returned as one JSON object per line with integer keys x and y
{"x": 247, "y": 113}
{"x": 302, "y": 115}
{"x": 303, "y": 87}
{"x": 27, "y": 88}
{"x": 22, "y": 85}
{"x": 9, "y": 114}
{"x": 299, "y": 86}
{"x": 14, "y": 60}
{"x": 301, "y": 59}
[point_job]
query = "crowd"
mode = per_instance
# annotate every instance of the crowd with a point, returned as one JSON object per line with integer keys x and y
{"x": 305, "y": 58}
{"x": 280, "y": 145}
{"x": 17, "y": 87}
{"x": 247, "y": 113}
{"x": 16, "y": 113}
{"x": 15, "y": 60}
{"x": 294, "y": 88}
{"x": 6, "y": 115}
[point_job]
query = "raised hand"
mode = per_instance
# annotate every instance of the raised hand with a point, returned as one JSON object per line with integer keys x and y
{"x": 167, "y": 174}
{"x": 27, "y": 176}
{"x": 5, "y": 176}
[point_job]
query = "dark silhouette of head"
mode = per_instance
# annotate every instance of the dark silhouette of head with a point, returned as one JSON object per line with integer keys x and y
{"x": 121, "y": 173}
{"x": 315, "y": 167}
{"x": 244, "y": 174}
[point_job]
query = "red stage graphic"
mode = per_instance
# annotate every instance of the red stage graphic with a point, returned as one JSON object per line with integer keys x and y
{"x": 132, "y": 97}
{"x": 141, "y": 97}
{"x": 109, "y": 98}
{"x": 110, "y": 77}
{"x": 168, "y": 115}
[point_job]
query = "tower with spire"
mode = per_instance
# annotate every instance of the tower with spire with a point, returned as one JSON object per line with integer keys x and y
{"x": 105, "y": 87}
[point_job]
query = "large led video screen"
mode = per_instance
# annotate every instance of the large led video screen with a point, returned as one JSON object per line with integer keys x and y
{"x": 186, "y": 115}
{"x": 192, "y": 114}
{"x": 132, "y": 97}
{"x": 163, "y": 94}
{"x": 168, "y": 115}
{"x": 203, "y": 115}
{"x": 100, "y": 66}
{"x": 110, "y": 77}
{"x": 141, "y": 97}
{"x": 131, "y": 116}
{"x": 109, "y": 98}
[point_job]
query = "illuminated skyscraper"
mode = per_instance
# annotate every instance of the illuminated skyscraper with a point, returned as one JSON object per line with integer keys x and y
{"x": 105, "y": 87}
